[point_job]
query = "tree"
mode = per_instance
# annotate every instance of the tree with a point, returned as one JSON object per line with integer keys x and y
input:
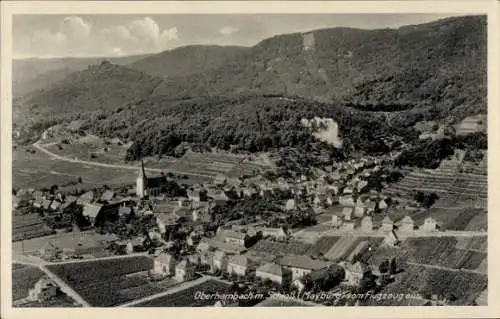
{"x": 384, "y": 266}
{"x": 393, "y": 267}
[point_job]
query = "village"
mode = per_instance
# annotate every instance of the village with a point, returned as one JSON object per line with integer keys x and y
{"x": 287, "y": 235}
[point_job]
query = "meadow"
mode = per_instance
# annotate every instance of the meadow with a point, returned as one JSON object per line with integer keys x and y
{"x": 23, "y": 279}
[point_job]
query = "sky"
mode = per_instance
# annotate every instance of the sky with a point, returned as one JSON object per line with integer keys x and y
{"x": 122, "y": 35}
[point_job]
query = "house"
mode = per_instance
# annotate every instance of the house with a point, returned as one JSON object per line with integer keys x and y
{"x": 44, "y": 289}
{"x": 336, "y": 221}
{"x": 204, "y": 245}
{"x": 367, "y": 223}
{"x": 164, "y": 264}
{"x": 202, "y": 216}
{"x": 276, "y": 233}
{"x": 124, "y": 246}
{"x": 166, "y": 222}
{"x": 346, "y": 200}
{"x": 46, "y": 204}
{"x": 91, "y": 211}
{"x": 429, "y": 225}
{"x": 361, "y": 185}
{"x": 387, "y": 224}
{"x": 348, "y": 226}
{"x": 238, "y": 265}
{"x": 199, "y": 195}
{"x": 49, "y": 251}
{"x": 86, "y": 198}
{"x": 382, "y": 205}
{"x": 233, "y": 237}
{"x": 207, "y": 258}
{"x": 249, "y": 192}
{"x": 107, "y": 196}
{"x": 229, "y": 248}
{"x": 406, "y": 224}
{"x": 273, "y": 272}
{"x": 220, "y": 179}
{"x": 184, "y": 271}
{"x": 290, "y": 204}
{"x": 391, "y": 239}
{"x": 300, "y": 265}
{"x": 220, "y": 260}
{"x": 355, "y": 272}
{"x": 347, "y": 213}
{"x": 332, "y": 274}
{"x": 359, "y": 211}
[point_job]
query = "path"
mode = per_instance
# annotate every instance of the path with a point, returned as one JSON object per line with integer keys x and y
{"x": 446, "y": 268}
{"x": 65, "y": 288}
{"x": 116, "y": 166}
{"x": 172, "y": 290}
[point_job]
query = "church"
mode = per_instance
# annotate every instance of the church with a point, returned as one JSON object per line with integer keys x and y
{"x": 149, "y": 186}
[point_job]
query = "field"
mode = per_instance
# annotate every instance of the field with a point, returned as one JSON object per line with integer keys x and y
{"x": 267, "y": 249}
{"x": 28, "y": 226}
{"x": 39, "y": 170}
{"x": 105, "y": 283}
{"x": 62, "y": 240}
{"x": 23, "y": 279}
{"x": 187, "y": 298}
{"x": 322, "y": 245}
{"x": 462, "y": 288}
{"x": 446, "y": 252}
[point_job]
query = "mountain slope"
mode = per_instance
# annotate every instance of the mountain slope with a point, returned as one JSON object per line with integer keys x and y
{"x": 187, "y": 60}
{"x": 441, "y": 64}
{"x": 98, "y": 88}
{"x": 29, "y": 75}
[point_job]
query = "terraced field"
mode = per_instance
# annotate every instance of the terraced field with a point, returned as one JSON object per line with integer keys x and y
{"x": 105, "y": 283}
{"x": 461, "y": 288}
{"x": 452, "y": 180}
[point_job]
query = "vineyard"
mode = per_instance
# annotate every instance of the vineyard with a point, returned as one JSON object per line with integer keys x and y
{"x": 452, "y": 180}
{"x": 187, "y": 297}
{"x": 460, "y": 288}
{"x": 322, "y": 245}
{"x": 110, "y": 282}
{"x": 275, "y": 248}
{"x": 348, "y": 247}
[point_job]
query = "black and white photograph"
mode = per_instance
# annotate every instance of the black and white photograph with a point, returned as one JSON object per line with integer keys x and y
{"x": 249, "y": 160}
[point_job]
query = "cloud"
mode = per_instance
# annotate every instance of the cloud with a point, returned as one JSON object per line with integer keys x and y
{"x": 227, "y": 30}
{"x": 74, "y": 36}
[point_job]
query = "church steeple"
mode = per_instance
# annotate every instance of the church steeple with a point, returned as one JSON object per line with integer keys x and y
{"x": 142, "y": 173}
{"x": 141, "y": 181}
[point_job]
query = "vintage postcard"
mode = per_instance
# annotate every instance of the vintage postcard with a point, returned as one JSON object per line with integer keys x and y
{"x": 327, "y": 157}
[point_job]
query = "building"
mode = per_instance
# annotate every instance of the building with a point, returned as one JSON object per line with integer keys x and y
{"x": 355, "y": 272}
{"x": 391, "y": 239}
{"x": 204, "y": 245}
{"x": 290, "y": 204}
{"x": 44, "y": 289}
{"x": 387, "y": 224}
{"x": 301, "y": 265}
{"x": 336, "y": 221}
{"x": 166, "y": 222}
{"x": 184, "y": 271}
{"x": 149, "y": 186}
{"x": 91, "y": 211}
{"x": 273, "y": 272}
{"x": 359, "y": 211}
{"x": 277, "y": 233}
{"x": 49, "y": 251}
{"x": 347, "y": 213}
{"x": 164, "y": 264}
{"x": 238, "y": 265}
{"x": 367, "y": 223}
{"x": 332, "y": 274}
{"x": 197, "y": 195}
{"x": 236, "y": 238}
{"x": 406, "y": 224}
{"x": 429, "y": 225}
{"x": 107, "y": 196}
{"x": 86, "y": 198}
{"x": 220, "y": 260}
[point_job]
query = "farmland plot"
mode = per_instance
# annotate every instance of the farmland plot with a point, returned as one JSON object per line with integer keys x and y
{"x": 23, "y": 279}
{"x": 323, "y": 245}
{"x": 105, "y": 283}
{"x": 187, "y": 297}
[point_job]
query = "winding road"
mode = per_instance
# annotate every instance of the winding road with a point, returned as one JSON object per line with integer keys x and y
{"x": 116, "y": 166}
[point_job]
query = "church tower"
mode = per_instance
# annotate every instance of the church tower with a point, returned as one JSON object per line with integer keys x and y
{"x": 141, "y": 181}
